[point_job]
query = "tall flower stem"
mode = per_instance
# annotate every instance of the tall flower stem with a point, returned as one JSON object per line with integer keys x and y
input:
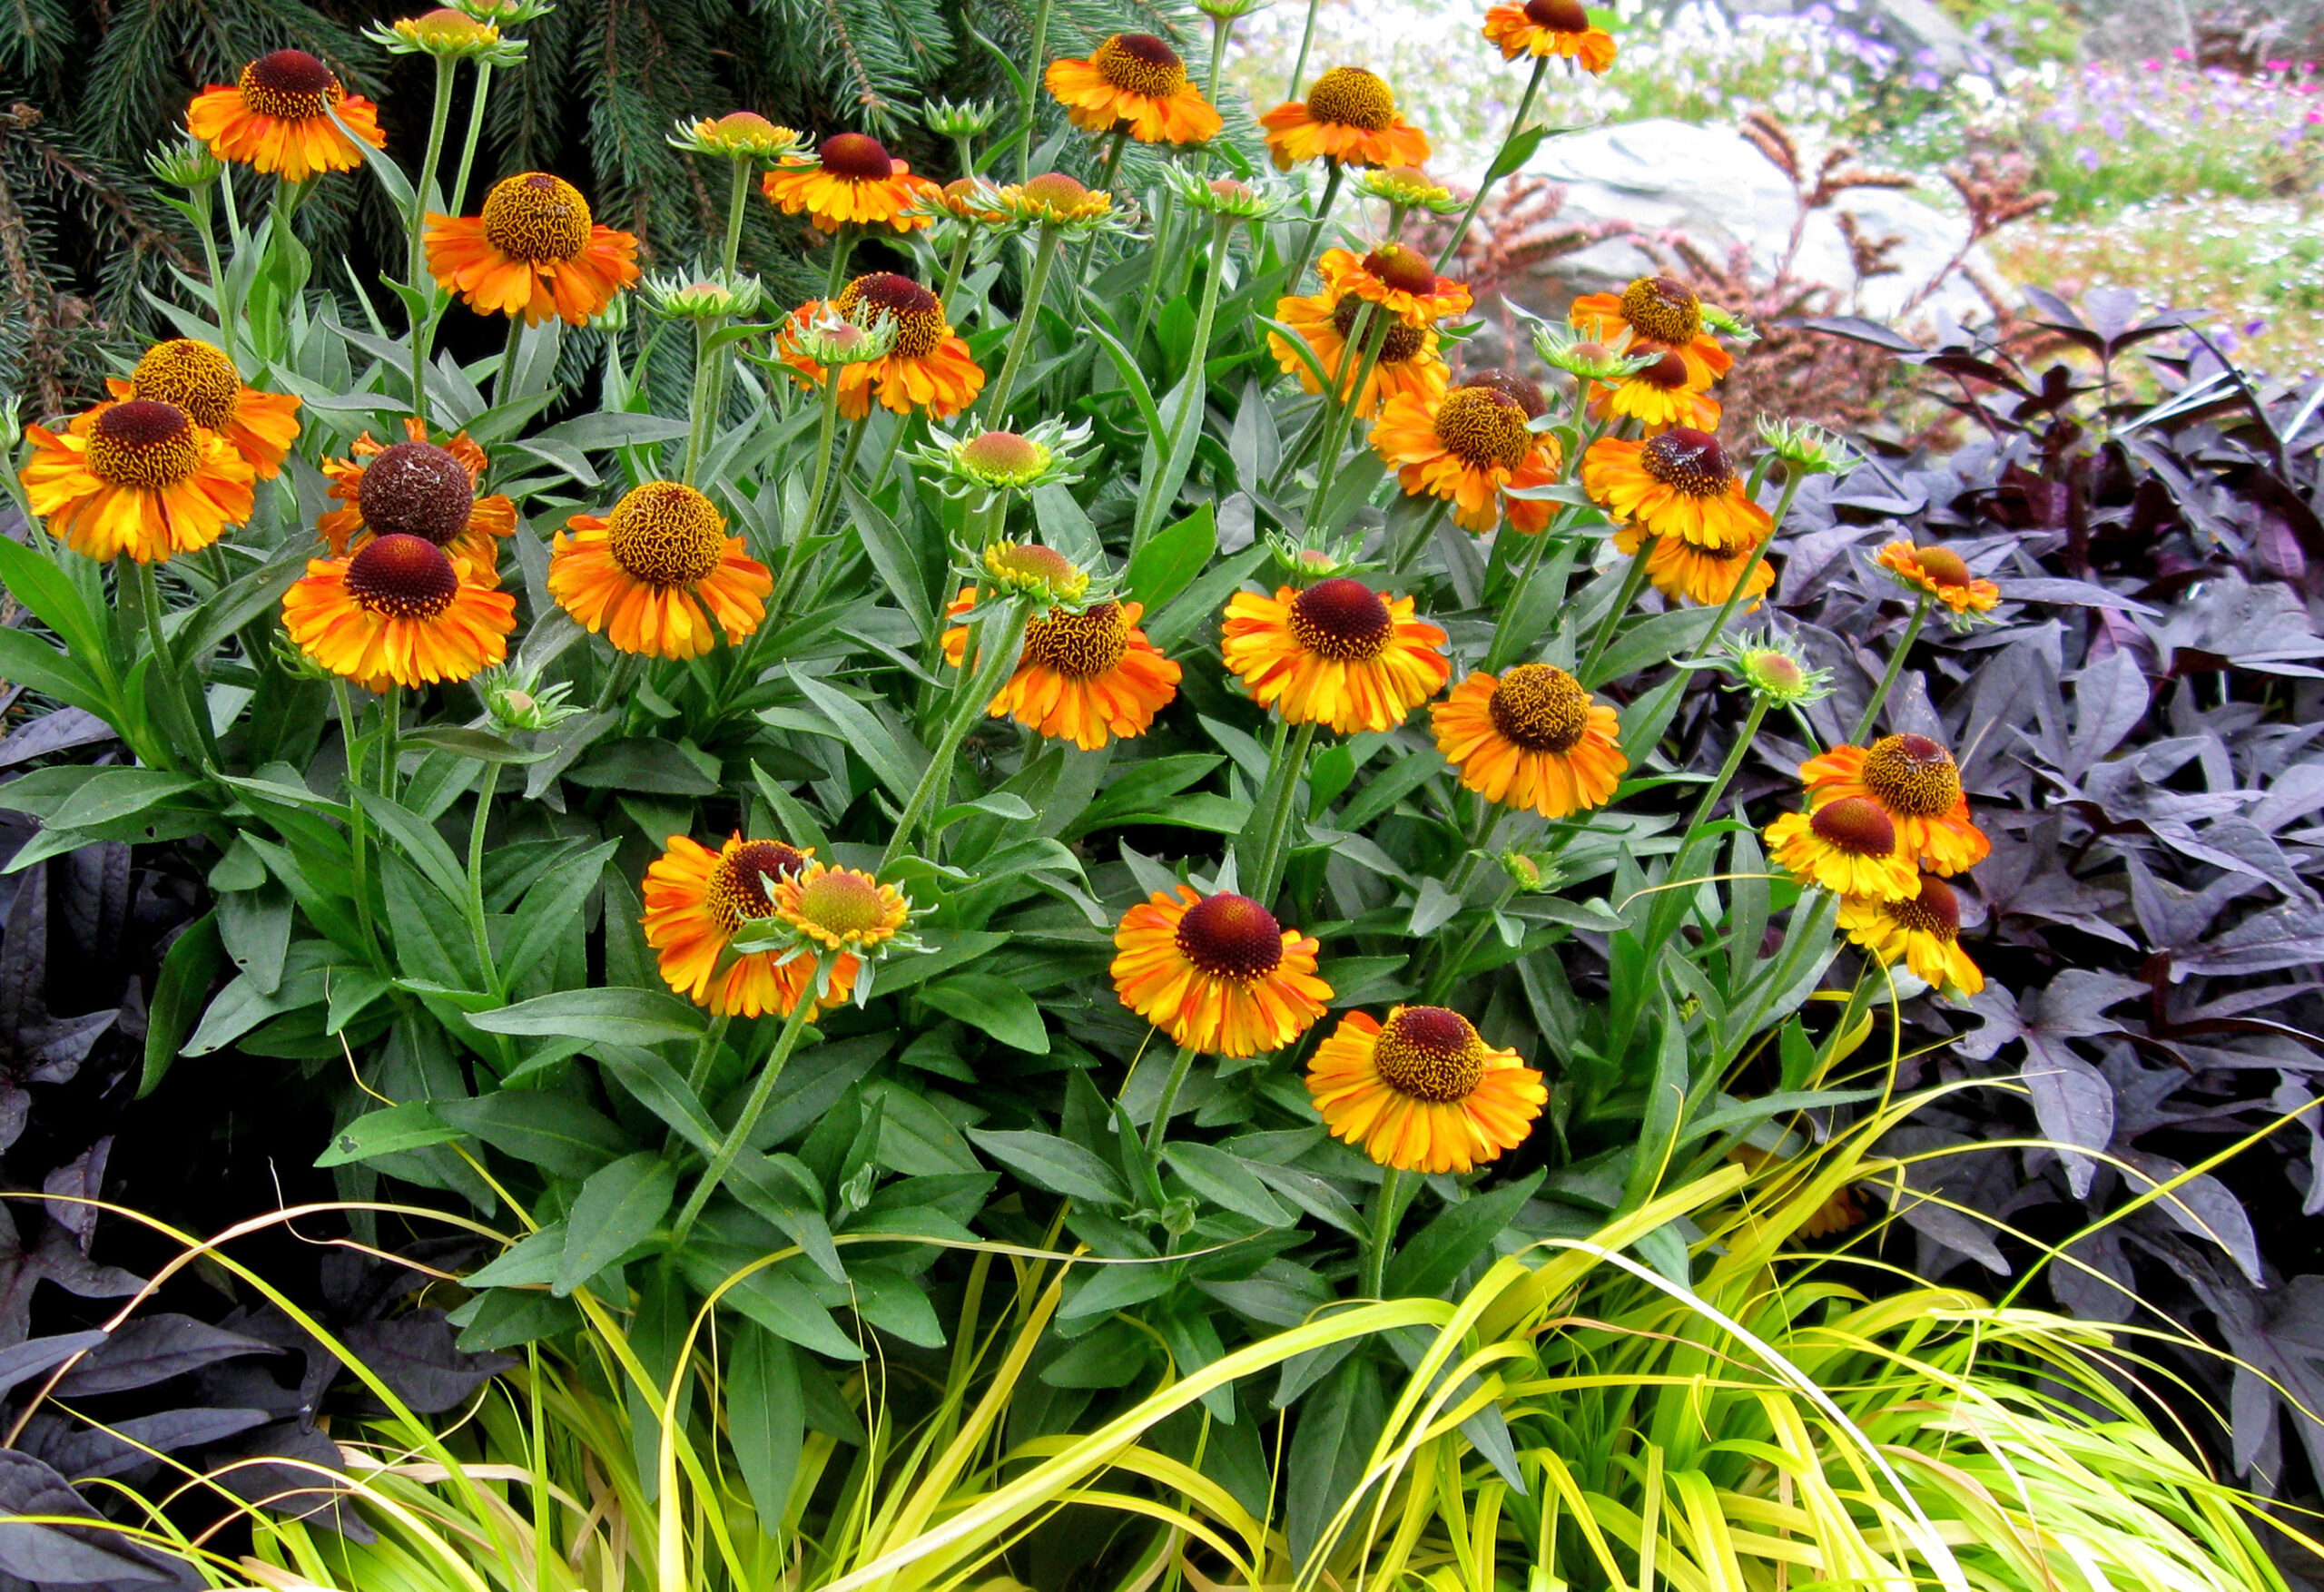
{"x": 1449, "y": 968}
{"x": 955, "y": 268}
{"x": 1151, "y": 506}
{"x": 1750, "y": 566}
{"x": 1631, "y": 582}
{"x": 738, "y": 196}
{"x": 1386, "y": 1207}
{"x": 1298, "y": 62}
{"x": 220, "y": 294}
{"x": 423, "y": 180}
{"x": 739, "y": 1135}
{"x": 193, "y": 734}
{"x": 1727, "y": 771}
{"x": 1402, "y": 558}
{"x": 1315, "y": 227}
{"x": 1895, "y": 667}
{"x": 1275, "y": 842}
{"x": 1112, "y": 164}
{"x": 390, "y": 739}
{"x": 701, "y": 405}
{"x": 993, "y": 657}
{"x": 1164, "y": 219}
{"x": 1157, "y": 1131}
{"x": 1034, "y": 69}
{"x": 1036, "y": 285}
{"x": 359, "y": 846}
{"x": 483, "y": 90}
{"x": 1364, "y": 344}
{"x": 705, "y": 1053}
{"x": 1514, "y": 602}
{"x": 1221, "y": 30}
{"x": 842, "y": 245}
{"x": 478, "y": 926}
{"x": 1484, "y": 185}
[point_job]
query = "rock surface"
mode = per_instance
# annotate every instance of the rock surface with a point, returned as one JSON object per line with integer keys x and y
{"x": 1713, "y": 186}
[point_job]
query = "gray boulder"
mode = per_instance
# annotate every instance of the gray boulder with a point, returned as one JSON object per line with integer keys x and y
{"x": 1713, "y": 186}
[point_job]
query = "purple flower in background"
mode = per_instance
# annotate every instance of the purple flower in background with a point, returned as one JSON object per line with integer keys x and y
{"x": 1820, "y": 15}
{"x": 2090, "y": 158}
{"x": 1927, "y": 82}
{"x": 2252, "y": 329}
{"x": 2111, "y": 124}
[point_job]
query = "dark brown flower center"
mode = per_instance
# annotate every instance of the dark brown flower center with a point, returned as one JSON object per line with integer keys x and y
{"x": 1510, "y": 384}
{"x": 1140, "y": 64}
{"x": 737, "y": 885}
{"x": 142, "y": 443}
{"x": 1565, "y": 16}
{"x": 1935, "y": 910}
{"x": 1666, "y": 311}
{"x": 416, "y": 489}
{"x": 536, "y": 218}
{"x": 1540, "y": 708}
{"x": 1402, "y": 343}
{"x": 1429, "y": 1054}
{"x": 1913, "y": 775}
{"x": 1406, "y": 270}
{"x": 1943, "y": 565}
{"x": 1687, "y": 460}
{"x": 1483, "y": 427}
{"x": 1854, "y": 826}
{"x": 917, "y": 315}
{"x": 1341, "y": 619}
{"x": 1080, "y": 646}
{"x": 194, "y": 376}
{"x": 1352, "y": 97}
{"x": 666, "y": 534}
{"x": 402, "y": 577}
{"x": 856, "y": 157}
{"x": 1230, "y": 936}
{"x": 1669, "y": 372}
{"x": 289, "y": 85}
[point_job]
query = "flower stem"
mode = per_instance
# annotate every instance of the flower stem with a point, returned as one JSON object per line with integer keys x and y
{"x": 1895, "y": 666}
{"x": 1386, "y": 1207}
{"x": 486, "y": 785}
{"x": 753, "y": 1108}
{"x": 1449, "y": 968}
{"x": 199, "y": 741}
{"x": 1411, "y": 549}
{"x": 700, "y": 417}
{"x": 1273, "y": 843}
{"x": 1476, "y": 201}
{"x": 1164, "y": 224}
{"x": 1298, "y": 62}
{"x": 1152, "y": 504}
{"x": 1036, "y": 284}
{"x": 1033, "y": 76}
{"x": 994, "y": 659}
{"x": 458, "y": 196}
{"x": 423, "y": 180}
{"x": 705, "y": 1053}
{"x": 219, "y": 292}
{"x": 1157, "y": 1130}
{"x": 1365, "y": 346}
{"x": 1750, "y": 566}
{"x": 1515, "y": 602}
{"x": 738, "y": 194}
{"x": 953, "y": 270}
{"x": 1631, "y": 582}
{"x": 390, "y": 739}
{"x": 1735, "y": 755}
{"x": 1315, "y": 228}
{"x": 358, "y": 830}
{"x": 1113, "y": 158}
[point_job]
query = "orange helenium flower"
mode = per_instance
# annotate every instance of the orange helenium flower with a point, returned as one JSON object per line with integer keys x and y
{"x": 1081, "y": 677}
{"x": 1923, "y": 931}
{"x": 202, "y": 382}
{"x": 1661, "y": 315}
{"x": 534, "y": 252}
{"x": 1133, "y": 81}
{"x": 1422, "y": 1092}
{"x": 1658, "y": 397}
{"x": 1848, "y": 847}
{"x": 1550, "y": 27}
{"x": 1349, "y": 116}
{"x": 401, "y": 611}
{"x": 421, "y": 491}
{"x": 659, "y": 574}
{"x": 136, "y": 477}
{"x": 1914, "y": 780}
{"x": 1217, "y": 973}
{"x": 1939, "y": 572}
{"x": 852, "y": 181}
{"x": 698, "y": 899}
{"x": 1681, "y": 570}
{"x": 1532, "y": 738}
{"x": 1396, "y": 277}
{"x": 928, "y": 367}
{"x": 277, "y": 118}
{"x": 1679, "y": 484}
{"x": 1407, "y": 366}
{"x": 1338, "y": 654}
{"x": 1470, "y": 448}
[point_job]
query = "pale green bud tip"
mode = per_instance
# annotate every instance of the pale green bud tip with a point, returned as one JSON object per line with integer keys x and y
{"x": 1032, "y": 570}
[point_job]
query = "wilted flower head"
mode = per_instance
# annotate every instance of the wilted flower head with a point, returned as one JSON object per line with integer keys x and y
{"x": 708, "y": 297}
{"x": 189, "y": 165}
{"x": 954, "y": 119}
{"x": 1031, "y": 570}
{"x": 736, "y": 136}
{"x": 1409, "y": 186}
{"x": 1008, "y": 461}
{"x": 1772, "y": 667}
{"x": 1803, "y": 446}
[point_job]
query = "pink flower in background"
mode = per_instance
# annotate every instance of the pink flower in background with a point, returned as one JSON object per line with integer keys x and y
{"x": 2152, "y": 64}
{"x": 2311, "y": 117}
